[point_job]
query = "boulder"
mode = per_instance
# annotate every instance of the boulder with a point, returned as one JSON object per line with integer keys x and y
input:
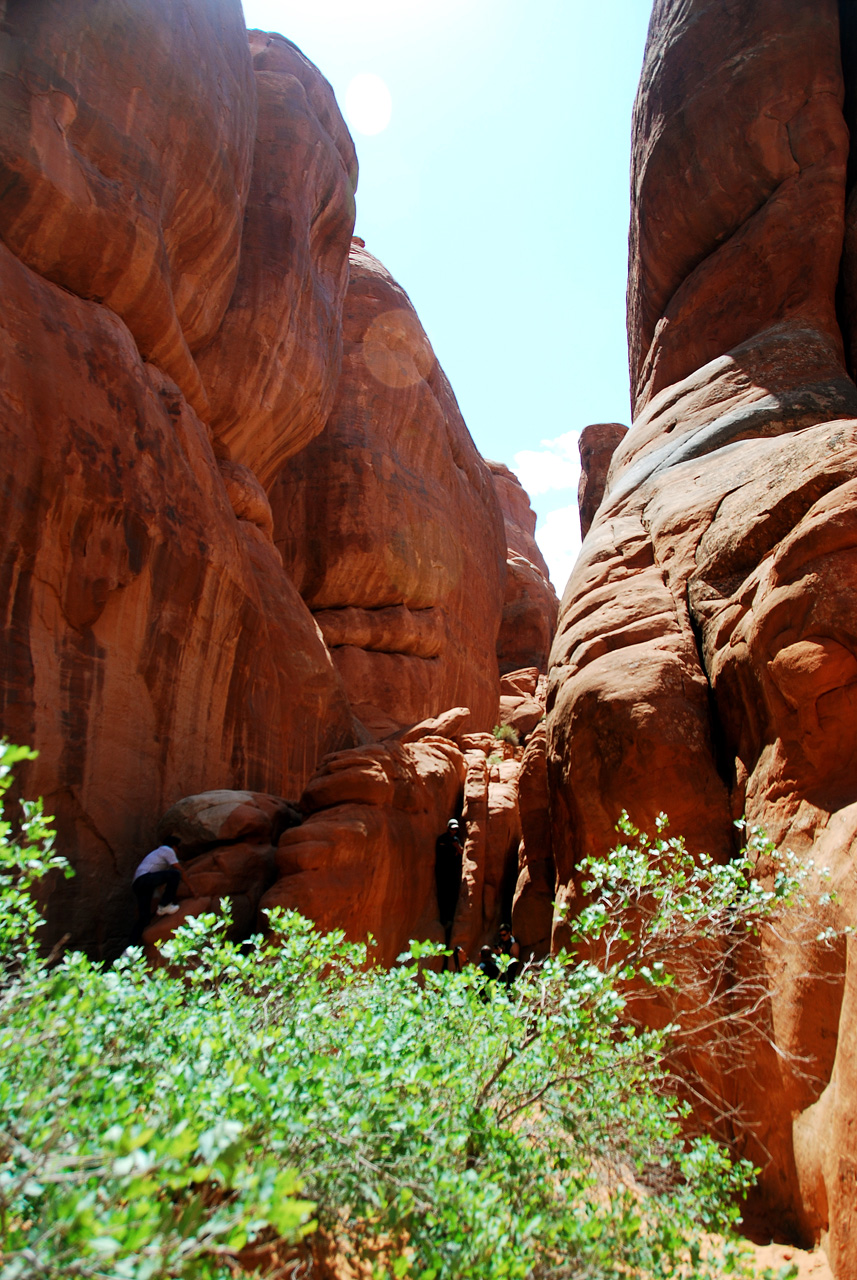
{"x": 448, "y": 725}
{"x": 484, "y": 742}
{"x": 389, "y": 523}
{"x": 521, "y": 682}
{"x": 364, "y": 860}
{"x": 521, "y": 714}
{"x": 222, "y": 817}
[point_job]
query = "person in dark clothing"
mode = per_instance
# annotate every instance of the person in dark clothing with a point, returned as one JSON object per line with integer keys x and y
{"x": 448, "y": 857}
{"x": 160, "y": 867}
{"x": 487, "y": 964}
{"x": 508, "y": 946}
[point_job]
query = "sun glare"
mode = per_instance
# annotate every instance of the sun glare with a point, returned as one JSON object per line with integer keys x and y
{"x": 368, "y": 105}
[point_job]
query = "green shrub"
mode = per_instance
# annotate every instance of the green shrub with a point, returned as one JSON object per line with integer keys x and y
{"x": 154, "y": 1124}
{"x": 505, "y": 733}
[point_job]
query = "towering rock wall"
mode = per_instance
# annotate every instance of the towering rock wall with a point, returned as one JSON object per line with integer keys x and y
{"x": 176, "y": 209}
{"x": 390, "y": 526}
{"x": 706, "y": 655}
{"x": 530, "y": 605}
{"x": 154, "y": 645}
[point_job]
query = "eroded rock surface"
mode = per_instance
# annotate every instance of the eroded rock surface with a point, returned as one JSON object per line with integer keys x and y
{"x": 597, "y": 444}
{"x": 706, "y": 656}
{"x": 389, "y": 524}
{"x": 530, "y": 605}
{"x": 363, "y": 861}
{"x": 154, "y": 645}
{"x": 174, "y": 258}
{"x": 272, "y": 367}
{"x": 727, "y": 163}
{"x": 126, "y": 144}
{"x": 532, "y": 910}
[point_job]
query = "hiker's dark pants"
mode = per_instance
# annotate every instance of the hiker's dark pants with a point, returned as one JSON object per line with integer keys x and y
{"x": 144, "y": 887}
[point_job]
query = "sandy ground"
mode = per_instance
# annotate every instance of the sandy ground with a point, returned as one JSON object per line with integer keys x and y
{"x": 810, "y": 1266}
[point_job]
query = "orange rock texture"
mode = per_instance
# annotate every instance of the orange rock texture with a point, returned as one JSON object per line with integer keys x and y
{"x": 155, "y": 647}
{"x": 272, "y": 367}
{"x": 597, "y": 444}
{"x": 363, "y": 861}
{"x": 176, "y": 210}
{"x": 530, "y": 607}
{"x": 389, "y": 523}
{"x": 706, "y": 655}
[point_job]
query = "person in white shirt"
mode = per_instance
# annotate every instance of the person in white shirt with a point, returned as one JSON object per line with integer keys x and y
{"x": 160, "y": 867}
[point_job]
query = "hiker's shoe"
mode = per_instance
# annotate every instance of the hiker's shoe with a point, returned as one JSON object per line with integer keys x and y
{"x": 168, "y": 909}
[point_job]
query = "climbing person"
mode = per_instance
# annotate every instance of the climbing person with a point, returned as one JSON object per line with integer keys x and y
{"x": 508, "y": 946}
{"x": 448, "y": 857}
{"x": 160, "y": 867}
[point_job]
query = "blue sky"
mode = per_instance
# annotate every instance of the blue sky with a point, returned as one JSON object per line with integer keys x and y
{"x": 497, "y": 196}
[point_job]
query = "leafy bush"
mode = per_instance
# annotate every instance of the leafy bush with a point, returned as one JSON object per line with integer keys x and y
{"x": 506, "y": 733}
{"x": 161, "y": 1123}
{"x": 682, "y": 936}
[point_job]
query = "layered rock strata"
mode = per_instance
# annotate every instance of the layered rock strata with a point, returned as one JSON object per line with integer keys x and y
{"x": 389, "y": 523}
{"x": 530, "y": 604}
{"x": 596, "y": 445}
{"x": 706, "y": 658}
{"x": 363, "y": 860}
{"x": 176, "y": 209}
{"x": 154, "y": 645}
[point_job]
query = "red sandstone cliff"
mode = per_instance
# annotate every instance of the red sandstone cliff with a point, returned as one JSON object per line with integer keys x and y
{"x": 389, "y": 524}
{"x": 706, "y": 655}
{"x": 176, "y": 208}
{"x": 530, "y": 606}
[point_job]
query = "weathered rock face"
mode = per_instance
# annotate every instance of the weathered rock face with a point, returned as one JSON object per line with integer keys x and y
{"x": 126, "y": 142}
{"x": 364, "y": 859}
{"x": 726, "y": 164}
{"x": 272, "y": 367}
{"x": 155, "y": 647}
{"x": 597, "y": 444}
{"x": 530, "y": 605}
{"x": 175, "y": 256}
{"x": 706, "y": 656}
{"x": 147, "y": 163}
{"x": 389, "y": 524}
{"x": 532, "y": 911}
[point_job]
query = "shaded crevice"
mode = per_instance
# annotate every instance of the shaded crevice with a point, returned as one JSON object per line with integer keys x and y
{"x": 723, "y": 757}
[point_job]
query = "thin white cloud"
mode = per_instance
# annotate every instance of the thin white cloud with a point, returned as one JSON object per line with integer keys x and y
{"x": 555, "y": 466}
{"x": 558, "y": 536}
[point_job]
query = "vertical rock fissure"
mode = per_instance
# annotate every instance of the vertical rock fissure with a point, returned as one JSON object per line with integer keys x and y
{"x": 723, "y": 758}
